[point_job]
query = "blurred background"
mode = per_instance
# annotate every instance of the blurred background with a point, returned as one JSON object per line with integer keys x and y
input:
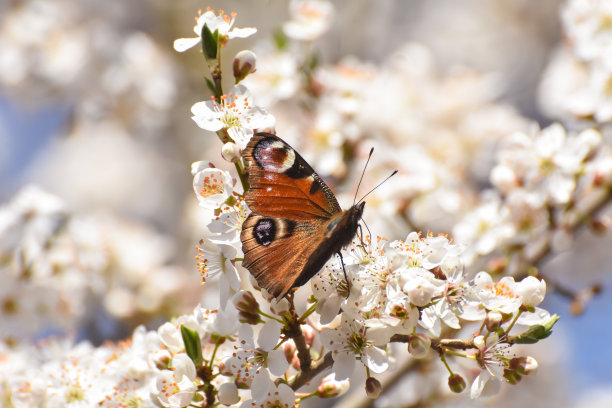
{"x": 96, "y": 144}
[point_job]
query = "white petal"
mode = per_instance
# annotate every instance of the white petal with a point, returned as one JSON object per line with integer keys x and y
{"x": 207, "y": 123}
{"x": 241, "y": 135}
{"x": 168, "y": 334}
{"x": 259, "y": 118}
{"x": 228, "y": 394}
{"x": 277, "y": 363}
{"x": 185, "y": 396}
{"x": 242, "y": 32}
{"x": 376, "y": 359}
{"x": 261, "y": 385}
{"x": 183, "y": 366}
{"x": 479, "y": 383}
{"x": 245, "y": 334}
{"x": 183, "y": 44}
{"x": 269, "y": 335}
{"x": 226, "y": 321}
{"x": 224, "y": 291}
{"x": 207, "y": 116}
{"x": 344, "y": 363}
{"x": 328, "y": 308}
{"x": 286, "y": 395}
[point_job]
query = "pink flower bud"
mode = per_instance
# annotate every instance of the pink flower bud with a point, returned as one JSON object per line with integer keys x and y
{"x": 523, "y": 365}
{"x": 456, "y": 383}
{"x": 419, "y": 345}
{"x": 331, "y": 388}
{"x": 493, "y": 320}
{"x": 231, "y": 152}
{"x": 309, "y": 334}
{"x": 224, "y": 369}
{"x": 281, "y": 307}
{"x": 373, "y": 388}
{"x": 244, "y": 64}
{"x": 247, "y": 306}
{"x": 289, "y": 351}
{"x": 162, "y": 359}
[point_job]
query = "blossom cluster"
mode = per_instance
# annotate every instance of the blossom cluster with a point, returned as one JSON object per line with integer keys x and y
{"x": 462, "y": 304}
{"x": 576, "y": 84}
{"x": 83, "y": 56}
{"x": 58, "y": 268}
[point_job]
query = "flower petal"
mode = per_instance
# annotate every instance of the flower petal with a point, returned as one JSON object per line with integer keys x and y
{"x": 269, "y": 335}
{"x": 183, "y": 44}
{"x": 376, "y": 359}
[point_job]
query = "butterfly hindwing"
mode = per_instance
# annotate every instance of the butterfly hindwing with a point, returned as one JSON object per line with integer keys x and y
{"x": 276, "y": 250}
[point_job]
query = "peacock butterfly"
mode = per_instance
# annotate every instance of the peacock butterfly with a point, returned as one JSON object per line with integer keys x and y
{"x": 296, "y": 223}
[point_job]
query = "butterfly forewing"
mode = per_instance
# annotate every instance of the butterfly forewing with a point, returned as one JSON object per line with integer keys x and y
{"x": 282, "y": 184}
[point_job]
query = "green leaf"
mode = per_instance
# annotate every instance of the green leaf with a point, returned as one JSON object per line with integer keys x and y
{"x": 211, "y": 85}
{"x": 280, "y": 39}
{"x": 193, "y": 347}
{"x": 210, "y": 43}
{"x": 536, "y": 332}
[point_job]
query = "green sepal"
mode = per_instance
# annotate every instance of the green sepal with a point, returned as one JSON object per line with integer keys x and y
{"x": 210, "y": 43}
{"x": 211, "y": 85}
{"x": 536, "y": 332}
{"x": 193, "y": 347}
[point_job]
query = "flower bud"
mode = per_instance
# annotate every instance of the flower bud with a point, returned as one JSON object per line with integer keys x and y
{"x": 162, "y": 359}
{"x": 419, "y": 291}
{"x": 224, "y": 369}
{"x": 330, "y": 387}
{"x": 418, "y": 345}
{"x": 524, "y": 365}
{"x": 493, "y": 320}
{"x": 228, "y": 394}
{"x": 373, "y": 388}
{"x": 244, "y": 64}
{"x": 456, "y": 383}
{"x": 479, "y": 342}
{"x": 532, "y": 291}
{"x": 289, "y": 351}
{"x": 231, "y": 152}
{"x": 247, "y": 306}
{"x": 309, "y": 334}
{"x": 601, "y": 225}
{"x": 512, "y": 376}
{"x": 281, "y": 307}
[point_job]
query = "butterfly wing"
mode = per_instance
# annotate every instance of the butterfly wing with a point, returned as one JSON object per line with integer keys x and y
{"x": 282, "y": 184}
{"x": 283, "y": 239}
{"x": 276, "y": 250}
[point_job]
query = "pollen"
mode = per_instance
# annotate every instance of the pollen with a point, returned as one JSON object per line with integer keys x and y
{"x": 501, "y": 289}
{"x": 211, "y": 185}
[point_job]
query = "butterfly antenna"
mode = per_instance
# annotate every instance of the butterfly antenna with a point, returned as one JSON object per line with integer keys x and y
{"x": 378, "y": 185}
{"x": 362, "y": 174}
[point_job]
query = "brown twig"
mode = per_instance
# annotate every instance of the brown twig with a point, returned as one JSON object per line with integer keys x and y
{"x": 303, "y": 378}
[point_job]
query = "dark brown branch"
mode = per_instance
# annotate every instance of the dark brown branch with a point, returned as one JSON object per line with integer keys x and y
{"x": 294, "y": 332}
{"x": 303, "y": 378}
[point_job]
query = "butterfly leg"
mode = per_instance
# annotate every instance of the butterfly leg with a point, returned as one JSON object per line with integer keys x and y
{"x": 348, "y": 284}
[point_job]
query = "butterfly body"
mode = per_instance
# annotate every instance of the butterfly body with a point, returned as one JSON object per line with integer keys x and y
{"x": 296, "y": 223}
